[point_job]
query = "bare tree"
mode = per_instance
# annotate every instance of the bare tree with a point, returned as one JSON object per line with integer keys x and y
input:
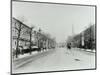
{"x": 22, "y": 29}
{"x": 31, "y": 38}
{"x": 18, "y": 28}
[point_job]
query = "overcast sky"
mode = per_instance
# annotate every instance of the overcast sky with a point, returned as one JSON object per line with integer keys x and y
{"x": 55, "y": 19}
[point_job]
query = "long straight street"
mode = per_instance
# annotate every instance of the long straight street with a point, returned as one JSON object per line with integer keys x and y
{"x": 55, "y": 60}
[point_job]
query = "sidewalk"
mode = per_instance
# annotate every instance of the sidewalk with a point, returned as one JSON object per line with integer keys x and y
{"x": 87, "y": 50}
{"x": 26, "y": 58}
{"x": 25, "y": 55}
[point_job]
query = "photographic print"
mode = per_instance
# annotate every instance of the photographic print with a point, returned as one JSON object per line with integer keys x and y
{"x": 52, "y": 37}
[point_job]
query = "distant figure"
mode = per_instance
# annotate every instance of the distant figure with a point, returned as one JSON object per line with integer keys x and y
{"x": 69, "y": 45}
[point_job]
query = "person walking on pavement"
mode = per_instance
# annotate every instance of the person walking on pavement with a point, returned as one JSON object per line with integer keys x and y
{"x": 69, "y": 51}
{"x": 69, "y": 45}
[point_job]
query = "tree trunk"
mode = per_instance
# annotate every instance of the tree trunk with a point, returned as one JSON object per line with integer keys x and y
{"x": 30, "y": 40}
{"x": 18, "y": 41}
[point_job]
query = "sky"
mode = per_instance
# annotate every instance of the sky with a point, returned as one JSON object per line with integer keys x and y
{"x": 55, "y": 19}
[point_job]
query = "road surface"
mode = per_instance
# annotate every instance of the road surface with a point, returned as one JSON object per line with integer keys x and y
{"x": 55, "y": 60}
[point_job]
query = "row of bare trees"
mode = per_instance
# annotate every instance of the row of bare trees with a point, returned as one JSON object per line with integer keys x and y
{"x": 86, "y": 39}
{"x": 24, "y": 33}
{"x": 21, "y": 32}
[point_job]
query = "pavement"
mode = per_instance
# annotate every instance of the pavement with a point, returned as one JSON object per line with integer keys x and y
{"x": 55, "y": 60}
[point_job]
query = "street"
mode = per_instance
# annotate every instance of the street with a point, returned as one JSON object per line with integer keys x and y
{"x": 55, "y": 60}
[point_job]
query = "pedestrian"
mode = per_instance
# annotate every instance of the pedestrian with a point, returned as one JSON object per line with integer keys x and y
{"x": 68, "y": 48}
{"x": 69, "y": 45}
